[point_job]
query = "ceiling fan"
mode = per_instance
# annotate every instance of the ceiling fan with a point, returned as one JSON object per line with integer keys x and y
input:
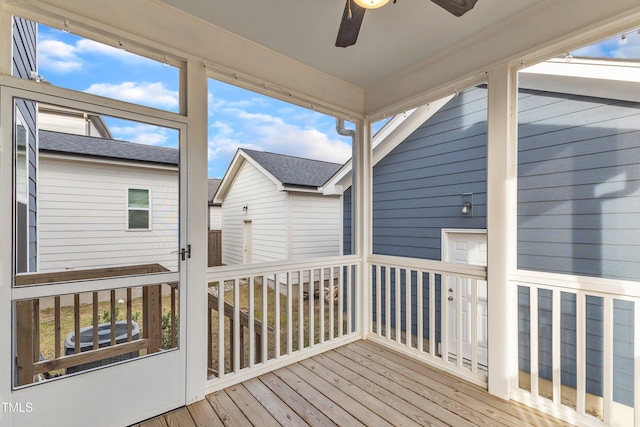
{"x": 354, "y": 13}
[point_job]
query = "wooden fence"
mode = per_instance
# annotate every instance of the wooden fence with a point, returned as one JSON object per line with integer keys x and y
{"x": 215, "y": 248}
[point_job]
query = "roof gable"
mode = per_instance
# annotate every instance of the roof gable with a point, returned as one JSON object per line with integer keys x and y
{"x": 89, "y": 146}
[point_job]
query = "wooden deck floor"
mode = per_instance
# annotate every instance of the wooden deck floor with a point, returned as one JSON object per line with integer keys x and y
{"x": 361, "y": 384}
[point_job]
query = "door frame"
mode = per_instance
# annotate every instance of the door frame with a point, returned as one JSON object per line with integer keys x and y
{"x": 156, "y": 383}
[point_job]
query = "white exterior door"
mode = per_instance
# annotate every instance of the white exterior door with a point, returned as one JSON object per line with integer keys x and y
{"x": 247, "y": 242}
{"x": 466, "y": 247}
{"x": 130, "y": 367}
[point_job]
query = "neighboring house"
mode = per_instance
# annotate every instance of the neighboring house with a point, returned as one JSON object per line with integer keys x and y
{"x": 578, "y": 163}
{"x": 273, "y": 208}
{"x": 106, "y": 202}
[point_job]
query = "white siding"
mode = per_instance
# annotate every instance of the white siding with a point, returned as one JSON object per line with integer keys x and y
{"x": 266, "y": 210}
{"x": 315, "y": 225}
{"x": 66, "y": 123}
{"x": 83, "y": 216}
{"x": 215, "y": 217}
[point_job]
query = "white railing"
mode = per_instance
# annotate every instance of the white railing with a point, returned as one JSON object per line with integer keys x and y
{"x": 585, "y": 361}
{"x": 268, "y": 315}
{"x": 422, "y": 307}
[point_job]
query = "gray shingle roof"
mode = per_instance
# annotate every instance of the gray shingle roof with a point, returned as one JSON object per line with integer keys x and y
{"x": 81, "y": 145}
{"x": 295, "y": 171}
{"x": 212, "y": 186}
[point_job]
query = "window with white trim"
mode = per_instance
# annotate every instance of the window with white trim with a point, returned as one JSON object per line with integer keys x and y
{"x": 138, "y": 210}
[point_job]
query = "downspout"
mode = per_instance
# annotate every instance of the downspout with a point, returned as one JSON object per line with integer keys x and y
{"x": 352, "y": 134}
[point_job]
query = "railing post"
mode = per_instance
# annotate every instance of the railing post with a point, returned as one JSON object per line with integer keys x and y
{"x": 502, "y": 160}
{"x": 153, "y": 318}
{"x": 362, "y": 226}
{"x": 27, "y": 340}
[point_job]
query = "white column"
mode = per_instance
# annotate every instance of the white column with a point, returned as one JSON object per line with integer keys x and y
{"x": 362, "y": 173}
{"x": 194, "y": 103}
{"x": 501, "y": 230}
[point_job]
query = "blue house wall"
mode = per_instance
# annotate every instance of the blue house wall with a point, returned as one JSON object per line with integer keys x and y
{"x": 578, "y": 203}
{"x": 24, "y": 62}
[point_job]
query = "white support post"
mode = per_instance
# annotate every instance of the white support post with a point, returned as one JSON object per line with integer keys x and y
{"x": 502, "y": 158}
{"x": 194, "y": 104}
{"x": 362, "y": 224}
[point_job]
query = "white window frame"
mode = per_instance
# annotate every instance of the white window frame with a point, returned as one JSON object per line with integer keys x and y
{"x": 148, "y": 209}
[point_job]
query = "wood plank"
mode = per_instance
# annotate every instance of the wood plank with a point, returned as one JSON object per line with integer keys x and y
{"x": 278, "y": 409}
{"x": 365, "y": 395}
{"x": 476, "y": 398}
{"x": 328, "y": 407}
{"x": 409, "y": 403}
{"x": 251, "y": 407}
{"x": 180, "y": 418}
{"x": 227, "y": 410}
{"x": 309, "y": 413}
{"x": 86, "y": 274}
{"x": 204, "y": 415}
{"x": 155, "y": 422}
{"x": 342, "y": 399}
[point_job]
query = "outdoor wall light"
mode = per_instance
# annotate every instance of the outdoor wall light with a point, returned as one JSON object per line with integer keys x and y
{"x": 371, "y": 4}
{"x": 465, "y": 209}
{"x": 245, "y": 208}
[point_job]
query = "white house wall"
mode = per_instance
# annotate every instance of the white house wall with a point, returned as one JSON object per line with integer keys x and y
{"x": 315, "y": 225}
{"x": 266, "y": 209}
{"x": 83, "y": 215}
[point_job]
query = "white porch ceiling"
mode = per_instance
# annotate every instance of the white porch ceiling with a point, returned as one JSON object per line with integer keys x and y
{"x": 391, "y": 39}
{"x": 407, "y": 53}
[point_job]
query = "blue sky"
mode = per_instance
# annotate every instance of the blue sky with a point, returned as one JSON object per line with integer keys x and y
{"x": 237, "y": 117}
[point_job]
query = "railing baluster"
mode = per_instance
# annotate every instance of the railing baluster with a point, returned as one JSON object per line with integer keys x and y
{"x": 252, "y": 342}
{"x": 174, "y": 311}
{"x": 265, "y": 309}
{"x": 407, "y": 301}
{"x": 420, "y": 310}
{"x": 432, "y": 314}
{"x": 276, "y": 317}
{"x": 474, "y": 323}
{"x": 300, "y": 310}
{"x": 340, "y": 302}
{"x": 350, "y": 311}
{"x": 311, "y": 294}
{"x": 398, "y": 306}
{"x": 321, "y": 303}
{"x": 221, "y": 345}
{"x": 444, "y": 317}
{"x": 607, "y": 360}
{"x": 460, "y": 284}
{"x": 581, "y": 347}
{"x": 378, "y": 300}
{"x": 57, "y": 327}
{"x": 236, "y": 325}
{"x": 636, "y": 362}
{"x": 332, "y": 313}
{"x": 113, "y": 316}
{"x": 76, "y": 322}
{"x": 534, "y": 338}
{"x": 289, "y": 313}
{"x": 129, "y": 316}
{"x": 556, "y": 345}
{"x": 387, "y": 302}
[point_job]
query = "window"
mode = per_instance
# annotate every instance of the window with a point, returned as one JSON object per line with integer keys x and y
{"x": 138, "y": 209}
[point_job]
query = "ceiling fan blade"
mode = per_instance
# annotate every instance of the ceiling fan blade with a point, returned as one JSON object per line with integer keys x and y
{"x": 456, "y": 7}
{"x": 350, "y": 24}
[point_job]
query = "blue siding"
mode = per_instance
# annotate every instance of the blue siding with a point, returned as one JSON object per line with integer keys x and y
{"x": 578, "y": 205}
{"x": 24, "y": 62}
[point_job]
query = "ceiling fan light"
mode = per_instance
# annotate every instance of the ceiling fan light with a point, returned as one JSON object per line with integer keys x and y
{"x": 371, "y": 4}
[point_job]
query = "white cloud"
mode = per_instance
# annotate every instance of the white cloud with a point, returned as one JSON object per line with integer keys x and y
{"x": 154, "y": 94}
{"x": 144, "y": 134}
{"x": 58, "y": 56}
